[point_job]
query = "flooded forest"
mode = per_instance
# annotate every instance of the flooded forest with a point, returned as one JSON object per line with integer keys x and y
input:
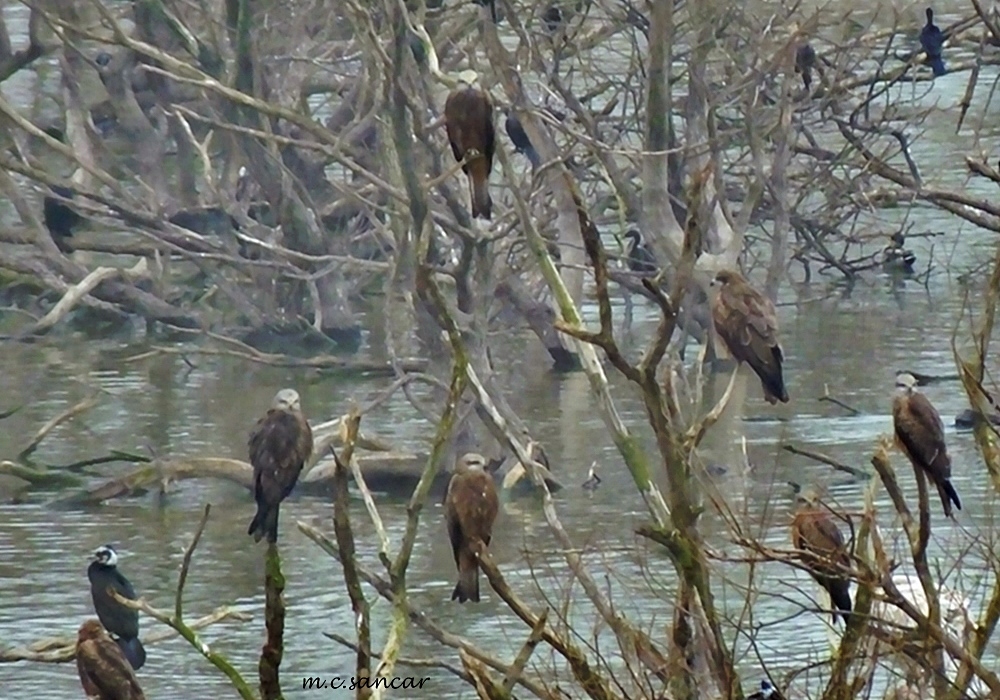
{"x": 608, "y": 349}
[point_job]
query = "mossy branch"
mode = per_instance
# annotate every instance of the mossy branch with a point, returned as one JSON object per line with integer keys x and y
{"x": 345, "y": 543}
{"x": 274, "y": 621}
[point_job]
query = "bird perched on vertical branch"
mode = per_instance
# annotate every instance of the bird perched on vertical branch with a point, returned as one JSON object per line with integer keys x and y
{"x": 746, "y": 322}
{"x": 919, "y": 434}
{"x": 470, "y": 507}
{"x": 104, "y": 671}
{"x": 932, "y": 42}
{"x": 825, "y": 553}
{"x": 121, "y": 621}
{"x": 280, "y": 444}
{"x": 468, "y": 118}
{"x": 518, "y": 137}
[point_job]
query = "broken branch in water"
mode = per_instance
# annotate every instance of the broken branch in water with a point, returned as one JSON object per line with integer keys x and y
{"x": 78, "y": 408}
{"x": 820, "y": 457}
{"x": 63, "y": 649}
{"x": 827, "y": 397}
{"x": 274, "y": 621}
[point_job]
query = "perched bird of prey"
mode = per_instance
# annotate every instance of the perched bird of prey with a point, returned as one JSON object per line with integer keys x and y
{"x": 746, "y": 322}
{"x": 104, "y": 671}
{"x": 920, "y": 435}
{"x": 932, "y": 42}
{"x": 805, "y": 62}
{"x": 766, "y": 692}
{"x": 280, "y": 444}
{"x": 825, "y": 553}
{"x": 468, "y": 118}
{"x": 117, "y": 619}
{"x": 640, "y": 256}
{"x": 470, "y": 507}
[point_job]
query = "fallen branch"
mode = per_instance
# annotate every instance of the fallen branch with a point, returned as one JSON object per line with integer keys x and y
{"x": 830, "y": 461}
{"x": 78, "y": 408}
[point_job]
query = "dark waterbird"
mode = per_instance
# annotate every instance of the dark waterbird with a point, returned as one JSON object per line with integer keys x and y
{"x": 639, "y": 256}
{"x": 746, "y": 322}
{"x": 896, "y": 258}
{"x": 932, "y": 42}
{"x": 280, "y": 443}
{"x": 805, "y": 63}
{"x": 919, "y": 434}
{"x": 825, "y": 553}
{"x": 470, "y": 507}
{"x": 60, "y": 219}
{"x": 766, "y": 692}
{"x": 468, "y": 118}
{"x": 117, "y": 619}
{"x": 104, "y": 671}
{"x": 518, "y": 137}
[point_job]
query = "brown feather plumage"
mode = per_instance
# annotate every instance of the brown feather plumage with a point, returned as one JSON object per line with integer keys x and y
{"x": 919, "y": 434}
{"x": 815, "y": 533}
{"x": 470, "y": 508}
{"x": 745, "y": 321}
{"x": 280, "y": 444}
{"x": 104, "y": 671}
{"x": 468, "y": 118}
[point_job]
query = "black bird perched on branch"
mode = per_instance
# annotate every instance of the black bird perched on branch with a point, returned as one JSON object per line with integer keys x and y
{"x": 518, "y": 137}
{"x": 640, "y": 256}
{"x": 280, "y": 444}
{"x": 60, "y": 219}
{"x": 805, "y": 62}
{"x": 104, "y": 671}
{"x": 766, "y": 692}
{"x": 117, "y": 619}
{"x": 932, "y": 42}
{"x": 468, "y": 118}
{"x": 552, "y": 17}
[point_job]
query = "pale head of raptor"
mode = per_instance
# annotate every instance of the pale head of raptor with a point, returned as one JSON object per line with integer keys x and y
{"x": 286, "y": 400}
{"x": 723, "y": 277}
{"x": 106, "y": 555}
{"x": 807, "y": 496}
{"x": 470, "y": 461}
{"x": 905, "y": 382}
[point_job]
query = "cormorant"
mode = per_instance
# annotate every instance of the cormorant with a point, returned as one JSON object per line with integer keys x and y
{"x": 522, "y": 144}
{"x": 746, "y": 322}
{"x": 920, "y": 435}
{"x": 105, "y": 673}
{"x": 826, "y": 556}
{"x": 766, "y": 692}
{"x": 280, "y": 444}
{"x": 805, "y": 61}
{"x": 552, "y": 17}
{"x": 932, "y": 42}
{"x": 59, "y": 218}
{"x": 117, "y": 619}
{"x": 470, "y": 507}
{"x": 468, "y": 116}
{"x": 593, "y": 480}
{"x": 640, "y": 257}
{"x": 896, "y": 258}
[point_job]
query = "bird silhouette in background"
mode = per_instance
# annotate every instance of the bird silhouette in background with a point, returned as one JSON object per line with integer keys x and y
{"x": 280, "y": 444}
{"x": 746, "y": 322}
{"x": 825, "y": 553}
{"x": 468, "y": 118}
{"x": 518, "y": 137}
{"x": 117, "y": 619}
{"x": 896, "y": 257}
{"x": 932, "y": 42}
{"x": 104, "y": 671}
{"x": 920, "y": 435}
{"x": 470, "y": 507}
{"x": 805, "y": 62}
